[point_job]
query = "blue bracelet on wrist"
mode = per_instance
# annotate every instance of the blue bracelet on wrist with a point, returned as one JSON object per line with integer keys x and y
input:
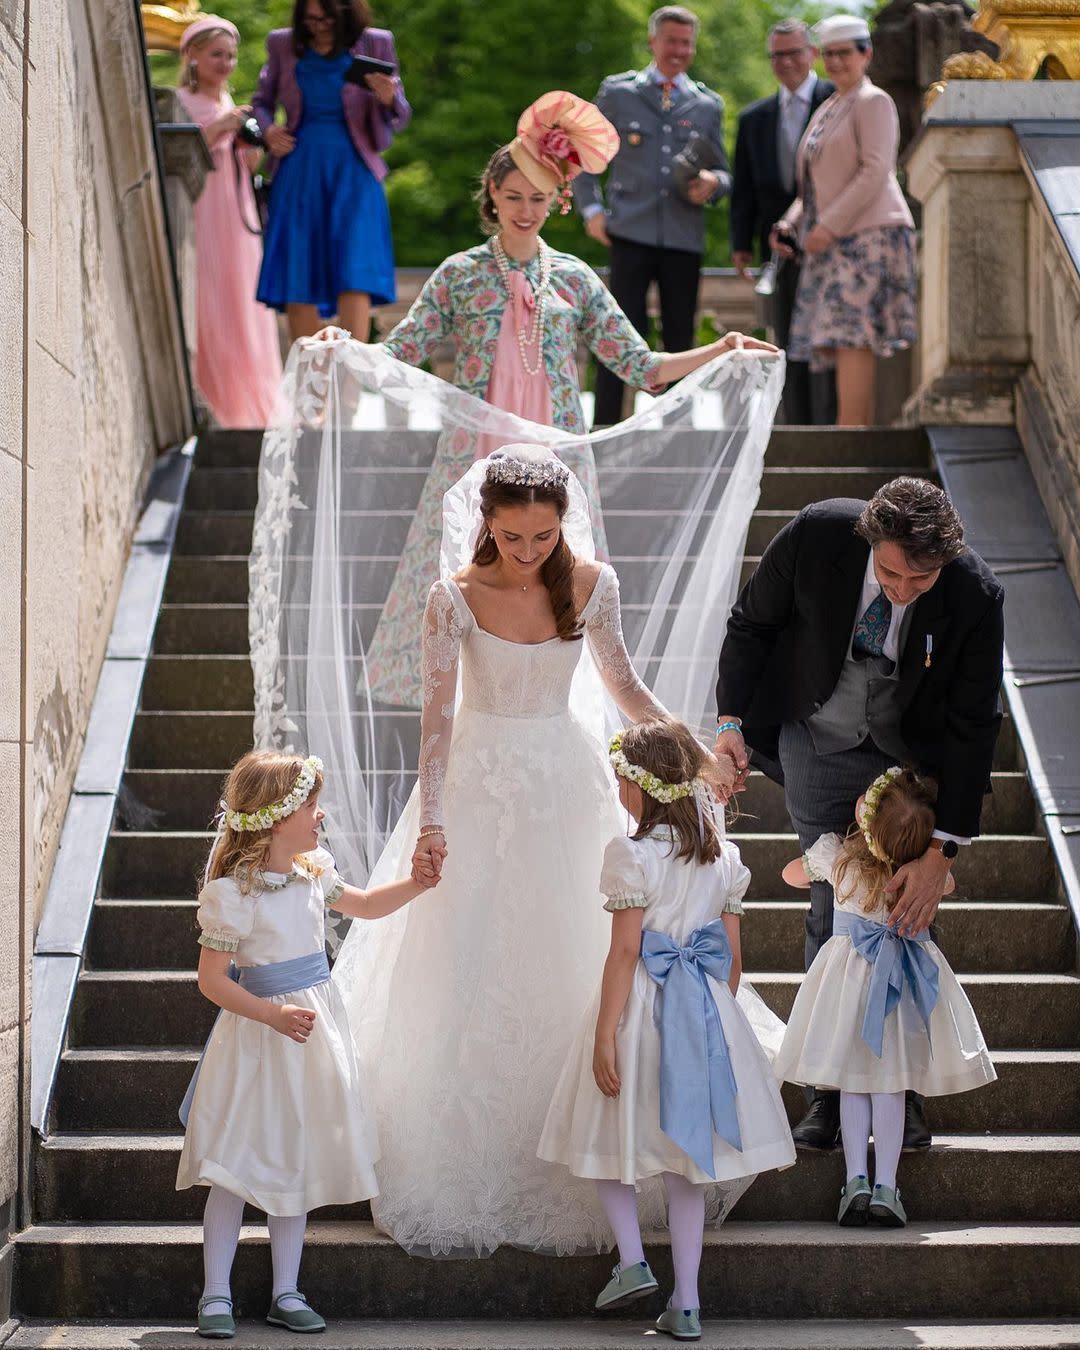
{"x": 727, "y": 726}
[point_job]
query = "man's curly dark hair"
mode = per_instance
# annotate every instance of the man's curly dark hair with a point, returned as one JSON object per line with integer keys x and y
{"x": 917, "y": 515}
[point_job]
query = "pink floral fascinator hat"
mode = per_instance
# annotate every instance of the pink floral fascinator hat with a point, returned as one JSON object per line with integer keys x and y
{"x": 560, "y": 136}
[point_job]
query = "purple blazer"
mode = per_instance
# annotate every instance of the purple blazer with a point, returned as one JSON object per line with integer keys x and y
{"x": 371, "y": 125}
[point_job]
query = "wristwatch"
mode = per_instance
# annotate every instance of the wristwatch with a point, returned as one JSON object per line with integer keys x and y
{"x": 948, "y": 848}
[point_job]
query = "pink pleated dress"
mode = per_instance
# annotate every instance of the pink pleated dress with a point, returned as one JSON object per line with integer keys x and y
{"x": 238, "y": 359}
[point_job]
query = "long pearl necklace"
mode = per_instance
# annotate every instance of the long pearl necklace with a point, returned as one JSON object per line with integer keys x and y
{"x": 533, "y": 335}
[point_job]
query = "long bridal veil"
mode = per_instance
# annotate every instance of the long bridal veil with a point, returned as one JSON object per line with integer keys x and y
{"x": 339, "y": 479}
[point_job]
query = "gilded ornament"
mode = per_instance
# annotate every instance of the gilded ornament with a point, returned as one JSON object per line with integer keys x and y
{"x": 1031, "y": 36}
{"x": 164, "y": 25}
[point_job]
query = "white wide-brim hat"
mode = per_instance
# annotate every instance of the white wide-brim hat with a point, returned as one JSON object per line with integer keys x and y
{"x": 841, "y": 28}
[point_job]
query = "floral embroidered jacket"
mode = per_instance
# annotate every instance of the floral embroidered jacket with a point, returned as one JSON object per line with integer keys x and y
{"x": 464, "y": 298}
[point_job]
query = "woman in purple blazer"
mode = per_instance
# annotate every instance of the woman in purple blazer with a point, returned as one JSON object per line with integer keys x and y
{"x": 327, "y": 248}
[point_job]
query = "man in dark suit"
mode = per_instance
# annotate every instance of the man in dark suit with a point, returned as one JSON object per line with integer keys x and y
{"x": 867, "y": 636}
{"x": 766, "y": 142}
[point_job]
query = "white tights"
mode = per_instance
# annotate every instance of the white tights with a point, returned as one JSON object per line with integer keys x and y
{"x": 880, "y": 1113}
{"x": 221, "y": 1233}
{"x": 686, "y": 1219}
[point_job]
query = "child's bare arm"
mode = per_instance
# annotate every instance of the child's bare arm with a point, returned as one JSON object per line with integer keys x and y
{"x": 379, "y": 901}
{"x": 795, "y": 874}
{"x": 733, "y": 928}
{"x": 214, "y": 984}
{"x": 622, "y": 957}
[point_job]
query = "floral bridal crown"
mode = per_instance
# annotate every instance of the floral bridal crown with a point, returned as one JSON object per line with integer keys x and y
{"x": 648, "y": 782}
{"x": 267, "y": 816}
{"x": 526, "y": 467}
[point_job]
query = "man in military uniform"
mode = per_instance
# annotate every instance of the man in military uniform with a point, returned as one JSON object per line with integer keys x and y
{"x": 654, "y": 218}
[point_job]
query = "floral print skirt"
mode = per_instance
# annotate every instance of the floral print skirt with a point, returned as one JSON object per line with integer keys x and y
{"x": 859, "y": 293}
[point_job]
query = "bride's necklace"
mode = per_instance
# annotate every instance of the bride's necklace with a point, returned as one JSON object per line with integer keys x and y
{"x": 533, "y": 335}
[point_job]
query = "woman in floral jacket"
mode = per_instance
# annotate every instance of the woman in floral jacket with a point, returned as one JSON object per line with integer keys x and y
{"x": 515, "y": 311}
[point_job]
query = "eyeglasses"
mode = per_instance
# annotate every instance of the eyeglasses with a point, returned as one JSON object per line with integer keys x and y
{"x": 788, "y": 55}
{"x": 841, "y": 53}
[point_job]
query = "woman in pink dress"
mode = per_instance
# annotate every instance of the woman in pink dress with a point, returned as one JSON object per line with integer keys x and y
{"x": 238, "y": 357}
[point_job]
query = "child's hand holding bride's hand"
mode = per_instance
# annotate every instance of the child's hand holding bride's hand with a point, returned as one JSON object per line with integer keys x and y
{"x": 427, "y": 859}
{"x": 722, "y": 775}
{"x": 603, "y": 1067}
{"x": 292, "y": 1021}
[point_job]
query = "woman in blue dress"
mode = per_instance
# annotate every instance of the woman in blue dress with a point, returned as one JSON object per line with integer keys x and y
{"x": 328, "y": 248}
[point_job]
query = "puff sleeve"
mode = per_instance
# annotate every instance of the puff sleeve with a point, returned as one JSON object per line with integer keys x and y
{"x": 226, "y": 917}
{"x": 820, "y": 858}
{"x": 735, "y": 878}
{"x": 323, "y": 869}
{"x": 622, "y": 877}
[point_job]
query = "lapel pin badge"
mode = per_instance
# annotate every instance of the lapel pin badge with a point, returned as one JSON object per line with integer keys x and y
{"x": 929, "y": 651}
{"x": 634, "y": 138}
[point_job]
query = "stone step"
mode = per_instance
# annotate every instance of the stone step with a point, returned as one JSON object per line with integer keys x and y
{"x": 186, "y": 800}
{"x": 1002, "y": 867}
{"x": 164, "y": 1007}
{"x": 396, "y": 488}
{"x": 383, "y": 533}
{"x": 792, "y": 447}
{"x": 567, "y": 1334}
{"x": 925, "y": 1271}
{"x": 223, "y": 629}
{"x": 160, "y": 935}
{"x": 215, "y": 740}
{"x": 133, "y": 1089}
{"x": 1001, "y": 1179}
{"x": 224, "y": 580}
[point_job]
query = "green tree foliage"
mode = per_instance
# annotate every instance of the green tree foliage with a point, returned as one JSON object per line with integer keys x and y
{"x": 470, "y": 69}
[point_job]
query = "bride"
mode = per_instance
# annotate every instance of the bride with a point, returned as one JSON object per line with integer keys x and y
{"x": 466, "y": 1006}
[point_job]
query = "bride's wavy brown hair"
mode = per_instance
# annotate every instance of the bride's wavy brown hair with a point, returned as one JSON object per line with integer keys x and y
{"x": 557, "y": 573}
{"x": 255, "y": 780}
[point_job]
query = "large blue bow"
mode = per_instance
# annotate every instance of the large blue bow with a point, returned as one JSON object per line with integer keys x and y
{"x": 697, "y": 1085}
{"x": 898, "y": 963}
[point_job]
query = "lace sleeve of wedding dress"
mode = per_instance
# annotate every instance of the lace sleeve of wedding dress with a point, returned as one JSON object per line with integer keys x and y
{"x": 439, "y": 652}
{"x": 604, "y": 634}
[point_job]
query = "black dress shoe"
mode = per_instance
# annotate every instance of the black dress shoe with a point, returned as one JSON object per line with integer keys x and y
{"x": 820, "y": 1127}
{"x": 916, "y": 1131}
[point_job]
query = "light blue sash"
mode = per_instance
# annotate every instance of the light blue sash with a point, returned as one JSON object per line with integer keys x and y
{"x": 697, "y": 1084}
{"x": 900, "y": 965}
{"x": 279, "y": 977}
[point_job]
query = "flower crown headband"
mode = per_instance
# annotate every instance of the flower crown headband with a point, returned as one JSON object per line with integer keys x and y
{"x": 871, "y": 801}
{"x": 267, "y": 816}
{"x": 648, "y": 782}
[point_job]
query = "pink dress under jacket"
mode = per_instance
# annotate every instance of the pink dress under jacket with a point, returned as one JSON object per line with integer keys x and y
{"x": 511, "y": 387}
{"x": 238, "y": 358}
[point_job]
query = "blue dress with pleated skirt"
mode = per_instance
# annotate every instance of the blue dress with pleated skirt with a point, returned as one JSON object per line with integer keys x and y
{"x": 329, "y": 224}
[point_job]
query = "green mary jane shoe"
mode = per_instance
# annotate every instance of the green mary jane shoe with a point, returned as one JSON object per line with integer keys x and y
{"x": 854, "y": 1202}
{"x": 636, "y": 1281}
{"x": 682, "y": 1323}
{"x": 304, "y": 1319}
{"x": 886, "y": 1209}
{"x": 216, "y": 1326}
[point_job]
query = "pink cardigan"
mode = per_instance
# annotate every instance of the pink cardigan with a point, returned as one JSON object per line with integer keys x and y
{"x": 854, "y": 170}
{"x": 371, "y": 125}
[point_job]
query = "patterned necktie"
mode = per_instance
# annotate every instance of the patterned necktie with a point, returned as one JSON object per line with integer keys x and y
{"x": 791, "y": 129}
{"x": 667, "y": 88}
{"x": 873, "y": 628}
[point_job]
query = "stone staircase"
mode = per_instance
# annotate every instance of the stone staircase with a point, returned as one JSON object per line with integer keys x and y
{"x": 994, "y": 1231}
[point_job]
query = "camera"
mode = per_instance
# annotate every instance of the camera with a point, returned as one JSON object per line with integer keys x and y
{"x": 250, "y": 133}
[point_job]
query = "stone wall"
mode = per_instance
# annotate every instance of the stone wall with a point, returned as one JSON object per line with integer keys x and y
{"x": 92, "y": 386}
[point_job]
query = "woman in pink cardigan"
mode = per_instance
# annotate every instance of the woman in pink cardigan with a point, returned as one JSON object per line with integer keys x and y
{"x": 856, "y": 298}
{"x": 328, "y": 249}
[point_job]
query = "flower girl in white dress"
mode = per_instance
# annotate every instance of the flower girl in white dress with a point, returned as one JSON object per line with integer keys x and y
{"x": 878, "y": 1014}
{"x": 277, "y": 1112}
{"x": 666, "y": 1077}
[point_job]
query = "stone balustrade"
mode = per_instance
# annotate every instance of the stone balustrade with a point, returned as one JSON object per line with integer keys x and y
{"x": 997, "y": 170}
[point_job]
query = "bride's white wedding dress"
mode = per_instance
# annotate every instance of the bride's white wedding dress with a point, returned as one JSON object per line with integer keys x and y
{"x": 468, "y": 1007}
